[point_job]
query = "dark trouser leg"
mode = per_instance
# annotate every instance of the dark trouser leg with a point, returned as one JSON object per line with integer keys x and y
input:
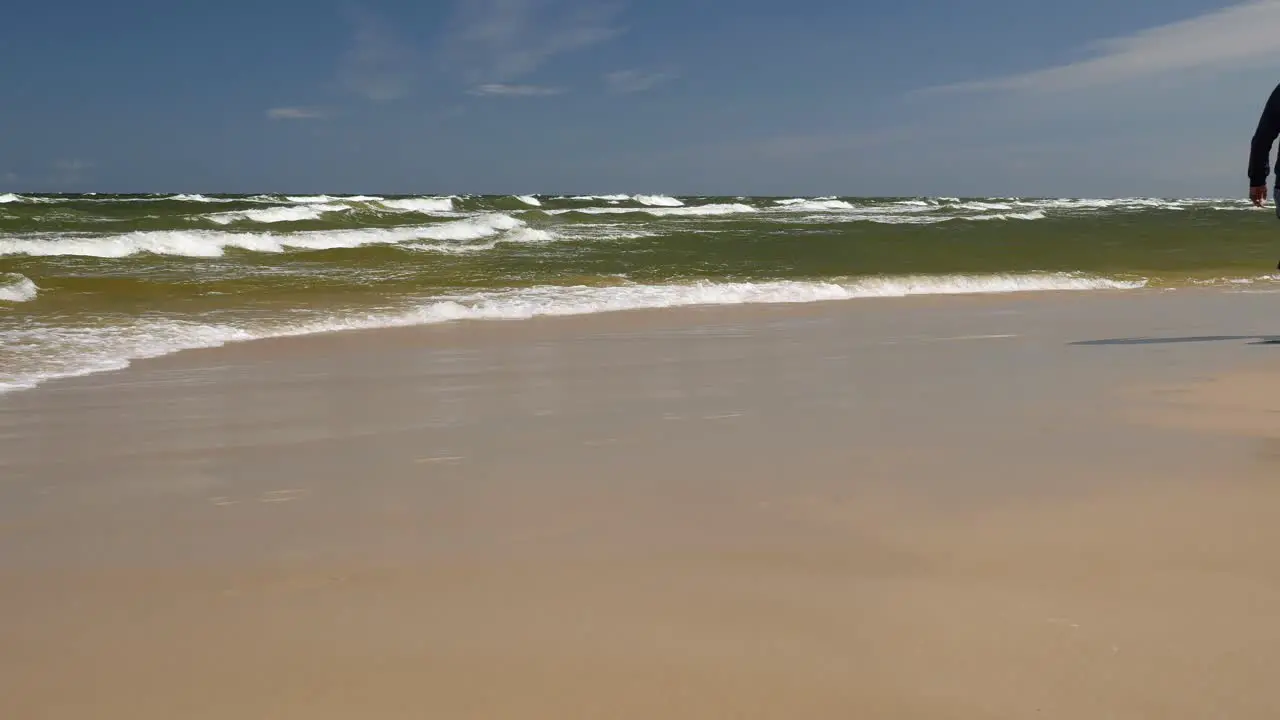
{"x": 1275, "y": 195}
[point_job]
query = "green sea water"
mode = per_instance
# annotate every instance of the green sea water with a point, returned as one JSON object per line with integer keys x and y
{"x": 88, "y": 282}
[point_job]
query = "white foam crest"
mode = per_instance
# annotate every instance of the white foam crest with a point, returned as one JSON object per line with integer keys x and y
{"x": 517, "y": 235}
{"x": 213, "y": 243}
{"x": 420, "y": 205}
{"x": 908, "y": 208}
{"x": 185, "y": 197}
{"x": 38, "y": 200}
{"x": 693, "y": 210}
{"x": 284, "y": 213}
{"x": 943, "y": 209}
{"x": 312, "y": 199}
{"x": 803, "y": 205}
{"x": 16, "y": 288}
{"x": 1033, "y": 215}
{"x": 67, "y": 352}
{"x": 578, "y": 300}
{"x": 1102, "y": 203}
{"x": 976, "y": 205}
{"x": 1268, "y": 278}
{"x": 315, "y": 199}
{"x": 889, "y": 217}
{"x": 71, "y": 352}
{"x": 10, "y": 198}
{"x": 529, "y": 235}
{"x": 658, "y": 200}
{"x": 471, "y": 229}
{"x": 696, "y": 210}
{"x": 529, "y": 200}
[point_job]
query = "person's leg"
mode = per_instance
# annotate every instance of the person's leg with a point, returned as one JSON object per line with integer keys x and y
{"x": 1275, "y": 196}
{"x": 1275, "y": 193}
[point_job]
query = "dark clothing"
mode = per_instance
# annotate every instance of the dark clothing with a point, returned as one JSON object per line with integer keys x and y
{"x": 1263, "y": 137}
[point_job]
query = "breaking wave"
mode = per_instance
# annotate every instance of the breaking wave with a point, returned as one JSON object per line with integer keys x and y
{"x": 658, "y": 200}
{"x": 558, "y": 300}
{"x": 803, "y": 205}
{"x": 1033, "y": 215}
{"x": 184, "y": 197}
{"x": 213, "y": 243}
{"x": 15, "y": 288}
{"x": 287, "y": 213}
{"x": 86, "y": 350}
{"x": 420, "y": 205}
{"x": 686, "y": 211}
{"x": 314, "y": 207}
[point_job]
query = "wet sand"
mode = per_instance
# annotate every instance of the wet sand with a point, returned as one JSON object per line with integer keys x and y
{"x": 1051, "y": 505}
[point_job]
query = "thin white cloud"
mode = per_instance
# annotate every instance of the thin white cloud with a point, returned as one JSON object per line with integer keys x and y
{"x": 378, "y": 65}
{"x": 633, "y": 81}
{"x": 505, "y": 90}
{"x": 500, "y": 41}
{"x": 1239, "y": 36}
{"x": 294, "y": 113}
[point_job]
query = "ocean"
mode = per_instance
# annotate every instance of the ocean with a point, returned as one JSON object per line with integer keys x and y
{"x": 90, "y": 282}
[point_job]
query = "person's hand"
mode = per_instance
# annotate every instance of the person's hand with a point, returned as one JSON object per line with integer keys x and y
{"x": 1258, "y": 194}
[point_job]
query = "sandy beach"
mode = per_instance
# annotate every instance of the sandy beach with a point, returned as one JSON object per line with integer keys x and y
{"x": 1049, "y": 505}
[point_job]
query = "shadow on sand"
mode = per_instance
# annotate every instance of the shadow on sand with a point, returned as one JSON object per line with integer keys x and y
{"x": 1257, "y": 340}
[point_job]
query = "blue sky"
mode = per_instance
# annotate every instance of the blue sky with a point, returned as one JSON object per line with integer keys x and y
{"x": 915, "y": 97}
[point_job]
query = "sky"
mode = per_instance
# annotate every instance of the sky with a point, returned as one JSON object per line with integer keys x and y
{"x": 1092, "y": 98}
